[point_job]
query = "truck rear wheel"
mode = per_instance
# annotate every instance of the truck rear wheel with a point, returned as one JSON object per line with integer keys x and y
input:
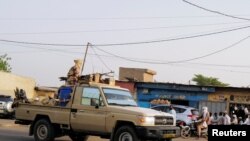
{"x": 44, "y": 131}
{"x": 125, "y": 133}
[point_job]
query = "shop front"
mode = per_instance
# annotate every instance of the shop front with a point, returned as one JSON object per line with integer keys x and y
{"x": 149, "y": 94}
{"x": 236, "y": 99}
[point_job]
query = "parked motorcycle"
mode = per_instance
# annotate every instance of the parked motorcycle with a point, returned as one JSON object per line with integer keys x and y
{"x": 191, "y": 130}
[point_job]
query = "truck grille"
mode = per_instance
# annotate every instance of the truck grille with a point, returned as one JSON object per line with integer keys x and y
{"x": 164, "y": 121}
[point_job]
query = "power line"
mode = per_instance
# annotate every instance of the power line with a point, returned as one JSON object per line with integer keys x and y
{"x": 173, "y": 39}
{"x": 98, "y": 56}
{"x": 117, "y": 30}
{"x": 40, "y": 48}
{"x": 183, "y": 63}
{"x": 179, "y": 65}
{"x": 217, "y": 12}
{"x": 215, "y": 52}
{"x": 110, "y": 18}
{"x": 219, "y": 65}
{"x": 179, "y": 61}
{"x": 152, "y": 60}
{"x": 232, "y": 71}
{"x": 190, "y": 63}
{"x": 128, "y": 43}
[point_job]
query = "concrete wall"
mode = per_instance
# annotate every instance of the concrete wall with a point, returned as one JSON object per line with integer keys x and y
{"x": 9, "y": 81}
{"x": 147, "y": 77}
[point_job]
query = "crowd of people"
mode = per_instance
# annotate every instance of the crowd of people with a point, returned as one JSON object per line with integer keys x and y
{"x": 223, "y": 118}
{"x": 238, "y": 115}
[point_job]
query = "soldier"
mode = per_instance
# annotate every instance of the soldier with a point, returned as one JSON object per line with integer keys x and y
{"x": 74, "y": 72}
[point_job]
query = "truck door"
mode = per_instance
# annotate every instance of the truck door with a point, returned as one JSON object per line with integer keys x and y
{"x": 88, "y": 112}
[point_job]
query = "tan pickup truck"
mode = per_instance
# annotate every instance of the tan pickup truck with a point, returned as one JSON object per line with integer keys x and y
{"x": 101, "y": 110}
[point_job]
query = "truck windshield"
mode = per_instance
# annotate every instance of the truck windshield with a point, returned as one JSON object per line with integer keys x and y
{"x": 119, "y": 97}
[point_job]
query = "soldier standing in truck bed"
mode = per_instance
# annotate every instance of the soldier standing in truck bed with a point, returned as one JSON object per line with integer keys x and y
{"x": 74, "y": 72}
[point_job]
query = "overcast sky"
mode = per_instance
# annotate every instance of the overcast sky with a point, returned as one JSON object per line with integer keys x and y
{"x": 223, "y": 55}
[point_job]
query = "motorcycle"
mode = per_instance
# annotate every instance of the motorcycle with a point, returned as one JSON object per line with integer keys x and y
{"x": 191, "y": 130}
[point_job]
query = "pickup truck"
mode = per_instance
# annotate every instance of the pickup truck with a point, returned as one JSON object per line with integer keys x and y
{"x": 97, "y": 109}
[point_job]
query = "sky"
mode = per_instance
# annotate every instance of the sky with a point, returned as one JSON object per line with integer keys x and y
{"x": 172, "y": 37}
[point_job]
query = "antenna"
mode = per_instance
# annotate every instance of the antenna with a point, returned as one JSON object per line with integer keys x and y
{"x": 85, "y": 55}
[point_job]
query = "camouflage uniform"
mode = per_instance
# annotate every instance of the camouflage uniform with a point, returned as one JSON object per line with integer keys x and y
{"x": 73, "y": 75}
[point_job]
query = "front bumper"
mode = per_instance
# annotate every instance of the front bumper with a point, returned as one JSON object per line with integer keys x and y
{"x": 158, "y": 132}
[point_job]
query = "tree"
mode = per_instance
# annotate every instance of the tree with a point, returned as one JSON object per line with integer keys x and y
{"x": 208, "y": 81}
{"x": 4, "y": 63}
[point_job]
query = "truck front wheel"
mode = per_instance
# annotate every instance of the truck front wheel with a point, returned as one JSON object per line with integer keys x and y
{"x": 44, "y": 131}
{"x": 125, "y": 133}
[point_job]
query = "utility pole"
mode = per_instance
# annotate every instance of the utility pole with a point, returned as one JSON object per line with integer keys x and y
{"x": 85, "y": 55}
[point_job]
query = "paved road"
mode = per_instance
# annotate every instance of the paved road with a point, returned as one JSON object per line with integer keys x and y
{"x": 12, "y": 132}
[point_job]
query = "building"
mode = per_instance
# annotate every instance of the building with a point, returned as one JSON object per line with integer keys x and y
{"x": 127, "y": 85}
{"x": 231, "y": 96}
{"x": 9, "y": 82}
{"x": 136, "y": 74}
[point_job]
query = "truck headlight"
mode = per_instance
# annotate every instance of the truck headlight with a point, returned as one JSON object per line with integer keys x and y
{"x": 146, "y": 121}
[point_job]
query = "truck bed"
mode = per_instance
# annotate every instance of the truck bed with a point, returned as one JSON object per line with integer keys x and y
{"x": 56, "y": 114}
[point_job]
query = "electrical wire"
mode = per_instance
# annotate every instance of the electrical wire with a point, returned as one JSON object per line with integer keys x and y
{"x": 117, "y": 30}
{"x": 72, "y": 52}
{"x": 128, "y": 43}
{"x": 98, "y": 56}
{"x": 206, "y": 68}
{"x": 110, "y": 18}
{"x": 40, "y": 48}
{"x": 217, "y": 12}
{"x": 153, "y": 60}
{"x": 179, "y": 61}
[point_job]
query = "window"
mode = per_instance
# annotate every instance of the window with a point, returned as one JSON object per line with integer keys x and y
{"x": 179, "y": 110}
{"x": 91, "y": 97}
{"x": 119, "y": 97}
{"x": 162, "y": 108}
{"x": 159, "y": 108}
{"x": 195, "y": 112}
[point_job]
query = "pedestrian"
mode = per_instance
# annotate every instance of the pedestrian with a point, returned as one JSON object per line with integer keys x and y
{"x": 247, "y": 121}
{"x": 246, "y": 110}
{"x": 234, "y": 120}
{"x": 172, "y": 111}
{"x": 220, "y": 119}
{"x": 74, "y": 72}
{"x": 215, "y": 119}
{"x": 226, "y": 118}
{"x": 240, "y": 121}
{"x": 210, "y": 118}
